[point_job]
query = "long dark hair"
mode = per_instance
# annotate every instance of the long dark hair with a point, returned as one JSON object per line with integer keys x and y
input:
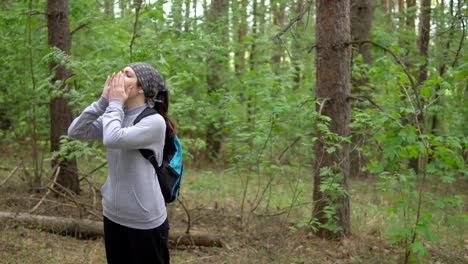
{"x": 162, "y": 106}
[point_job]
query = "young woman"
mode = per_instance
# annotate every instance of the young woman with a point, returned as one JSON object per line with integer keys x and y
{"x": 135, "y": 218}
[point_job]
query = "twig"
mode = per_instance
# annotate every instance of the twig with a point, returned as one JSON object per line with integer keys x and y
{"x": 93, "y": 171}
{"x": 93, "y": 189}
{"x": 311, "y": 48}
{"x": 322, "y": 104}
{"x": 10, "y": 175}
{"x": 33, "y": 12}
{"x": 295, "y": 20}
{"x": 135, "y": 24}
{"x": 361, "y": 97}
{"x": 288, "y": 147}
{"x": 71, "y": 198}
{"x": 189, "y": 219}
{"x": 78, "y": 28}
{"x": 57, "y": 171}
{"x": 461, "y": 43}
{"x": 398, "y": 60}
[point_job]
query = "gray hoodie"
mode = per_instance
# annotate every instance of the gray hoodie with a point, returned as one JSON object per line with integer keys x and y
{"x": 131, "y": 195}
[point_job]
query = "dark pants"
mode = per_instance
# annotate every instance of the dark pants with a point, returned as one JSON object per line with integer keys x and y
{"x": 126, "y": 245}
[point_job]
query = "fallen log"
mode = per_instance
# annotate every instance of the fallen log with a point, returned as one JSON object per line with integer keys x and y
{"x": 85, "y": 229}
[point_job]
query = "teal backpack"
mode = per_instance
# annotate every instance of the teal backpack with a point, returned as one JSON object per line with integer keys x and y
{"x": 171, "y": 170}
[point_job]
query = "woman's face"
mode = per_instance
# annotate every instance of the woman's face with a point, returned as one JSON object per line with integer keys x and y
{"x": 131, "y": 82}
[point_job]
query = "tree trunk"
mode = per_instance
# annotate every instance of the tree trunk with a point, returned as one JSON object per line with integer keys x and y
{"x": 187, "y": 16}
{"x": 109, "y": 8}
{"x": 216, "y": 23}
{"x": 60, "y": 115}
{"x": 442, "y": 67}
{"x": 333, "y": 78}
{"x": 297, "y": 48}
{"x": 242, "y": 28}
{"x": 84, "y": 228}
{"x": 411, "y": 16}
{"x": 278, "y": 8}
{"x": 361, "y": 25}
{"x": 424, "y": 38}
{"x": 401, "y": 5}
{"x": 176, "y": 12}
{"x": 123, "y": 5}
{"x": 384, "y": 4}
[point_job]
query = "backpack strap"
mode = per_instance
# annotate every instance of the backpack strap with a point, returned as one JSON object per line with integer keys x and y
{"x": 147, "y": 112}
{"x": 148, "y": 154}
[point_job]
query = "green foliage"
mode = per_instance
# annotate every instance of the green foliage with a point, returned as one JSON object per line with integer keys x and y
{"x": 267, "y": 118}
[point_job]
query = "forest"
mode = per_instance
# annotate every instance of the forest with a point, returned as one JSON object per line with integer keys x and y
{"x": 313, "y": 131}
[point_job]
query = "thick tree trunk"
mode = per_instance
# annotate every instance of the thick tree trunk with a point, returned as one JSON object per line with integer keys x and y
{"x": 216, "y": 23}
{"x": 424, "y": 38}
{"x": 84, "y": 228}
{"x": 424, "y": 52}
{"x": 401, "y": 5}
{"x": 333, "y": 80}
{"x": 361, "y": 25}
{"x": 60, "y": 115}
{"x": 242, "y": 27}
{"x": 410, "y": 19}
{"x": 187, "y": 21}
{"x": 278, "y": 8}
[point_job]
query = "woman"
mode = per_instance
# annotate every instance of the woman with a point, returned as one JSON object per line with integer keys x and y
{"x": 135, "y": 218}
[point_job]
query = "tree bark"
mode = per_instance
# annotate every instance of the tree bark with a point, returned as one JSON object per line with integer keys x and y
{"x": 187, "y": 21}
{"x": 297, "y": 47}
{"x": 278, "y": 8}
{"x": 410, "y": 18}
{"x": 58, "y": 26}
{"x": 84, "y": 228}
{"x": 424, "y": 38}
{"x": 217, "y": 23}
{"x": 361, "y": 25}
{"x": 333, "y": 79}
{"x": 242, "y": 28}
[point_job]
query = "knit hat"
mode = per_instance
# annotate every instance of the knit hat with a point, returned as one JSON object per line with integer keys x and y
{"x": 149, "y": 79}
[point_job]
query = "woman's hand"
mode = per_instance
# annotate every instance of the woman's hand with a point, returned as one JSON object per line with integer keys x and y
{"x": 107, "y": 85}
{"x": 117, "y": 88}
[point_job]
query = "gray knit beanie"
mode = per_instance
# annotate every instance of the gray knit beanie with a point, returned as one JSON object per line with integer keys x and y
{"x": 150, "y": 80}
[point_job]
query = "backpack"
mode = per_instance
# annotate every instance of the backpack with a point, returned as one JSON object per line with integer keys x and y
{"x": 171, "y": 170}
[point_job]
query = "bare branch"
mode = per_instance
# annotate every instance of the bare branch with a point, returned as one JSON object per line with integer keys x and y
{"x": 361, "y": 97}
{"x": 57, "y": 171}
{"x": 78, "y": 28}
{"x": 461, "y": 42}
{"x": 398, "y": 60}
{"x": 135, "y": 25}
{"x": 294, "y": 20}
{"x": 93, "y": 171}
{"x": 10, "y": 175}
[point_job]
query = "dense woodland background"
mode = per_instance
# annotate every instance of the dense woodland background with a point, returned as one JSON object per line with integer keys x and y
{"x": 342, "y": 120}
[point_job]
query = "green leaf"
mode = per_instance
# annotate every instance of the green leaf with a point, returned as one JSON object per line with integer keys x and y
{"x": 418, "y": 248}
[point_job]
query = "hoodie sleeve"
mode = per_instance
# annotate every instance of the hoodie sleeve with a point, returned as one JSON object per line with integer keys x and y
{"x": 88, "y": 125}
{"x": 139, "y": 136}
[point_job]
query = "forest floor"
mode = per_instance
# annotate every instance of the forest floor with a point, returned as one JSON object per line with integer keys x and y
{"x": 260, "y": 237}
